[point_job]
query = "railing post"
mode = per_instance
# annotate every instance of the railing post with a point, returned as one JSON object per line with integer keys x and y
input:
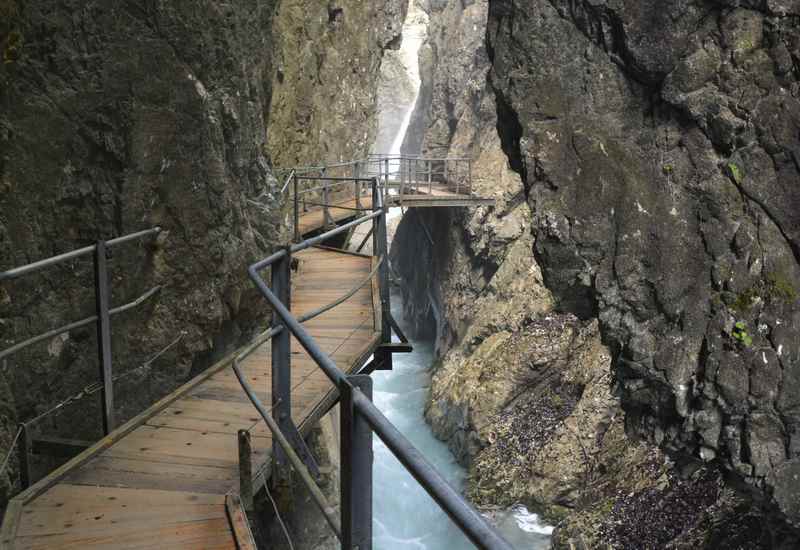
{"x": 469, "y": 176}
{"x": 23, "y": 450}
{"x": 380, "y": 249}
{"x": 445, "y": 172}
{"x": 357, "y": 181}
{"x": 386, "y": 184}
{"x": 296, "y": 211}
{"x": 430, "y": 175}
{"x": 245, "y": 470}
{"x": 102, "y": 300}
{"x": 356, "y": 467}
{"x": 281, "y": 354}
{"x": 326, "y": 213}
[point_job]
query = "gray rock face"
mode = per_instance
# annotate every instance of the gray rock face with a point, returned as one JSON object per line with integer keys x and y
{"x": 115, "y": 119}
{"x": 658, "y": 144}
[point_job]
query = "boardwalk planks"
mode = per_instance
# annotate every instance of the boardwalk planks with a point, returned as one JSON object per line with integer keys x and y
{"x": 161, "y": 480}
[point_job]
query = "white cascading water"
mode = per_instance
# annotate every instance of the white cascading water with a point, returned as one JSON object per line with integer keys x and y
{"x": 404, "y": 516}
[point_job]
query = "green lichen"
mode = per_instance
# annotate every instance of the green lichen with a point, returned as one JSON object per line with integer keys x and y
{"x": 12, "y": 49}
{"x": 667, "y": 169}
{"x": 741, "y": 335}
{"x": 745, "y": 300}
{"x": 735, "y": 173}
{"x": 780, "y": 288}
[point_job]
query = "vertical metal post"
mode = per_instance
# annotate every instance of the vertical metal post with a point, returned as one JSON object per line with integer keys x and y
{"x": 356, "y": 467}
{"x": 102, "y": 300}
{"x": 245, "y": 470}
{"x": 357, "y": 181}
{"x": 445, "y": 173}
{"x": 386, "y": 185}
{"x": 23, "y": 450}
{"x": 469, "y": 176}
{"x": 325, "y": 202}
{"x": 281, "y": 354}
{"x": 296, "y": 211}
{"x": 380, "y": 248}
{"x": 430, "y": 179}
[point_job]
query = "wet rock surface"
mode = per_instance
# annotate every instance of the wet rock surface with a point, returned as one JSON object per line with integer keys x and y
{"x": 657, "y": 144}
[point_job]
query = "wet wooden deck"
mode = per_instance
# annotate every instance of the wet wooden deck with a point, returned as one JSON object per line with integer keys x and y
{"x": 160, "y": 481}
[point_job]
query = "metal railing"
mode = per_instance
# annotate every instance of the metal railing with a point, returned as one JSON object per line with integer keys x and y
{"x": 329, "y": 187}
{"x": 102, "y": 319}
{"x": 359, "y": 416}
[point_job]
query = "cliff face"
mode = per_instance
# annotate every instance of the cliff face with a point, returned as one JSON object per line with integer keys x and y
{"x": 658, "y": 145}
{"x": 121, "y": 116}
{"x": 642, "y": 257}
{"x": 327, "y": 69}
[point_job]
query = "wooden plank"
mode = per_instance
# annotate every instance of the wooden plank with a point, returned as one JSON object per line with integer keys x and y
{"x": 45, "y": 483}
{"x": 240, "y": 526}
{"x": 186, "y": 443}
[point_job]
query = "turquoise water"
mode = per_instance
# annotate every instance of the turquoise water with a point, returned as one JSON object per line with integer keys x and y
{"x": 404, "y": 516}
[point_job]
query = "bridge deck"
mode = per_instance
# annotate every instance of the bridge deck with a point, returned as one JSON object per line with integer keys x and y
{"x": 160, "y": 480}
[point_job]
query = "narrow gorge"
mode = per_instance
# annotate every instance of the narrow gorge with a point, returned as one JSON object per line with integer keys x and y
{"x": 606, "y": 342}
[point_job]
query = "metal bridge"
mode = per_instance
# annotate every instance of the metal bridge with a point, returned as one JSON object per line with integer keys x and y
{"x": 183, "y": 473}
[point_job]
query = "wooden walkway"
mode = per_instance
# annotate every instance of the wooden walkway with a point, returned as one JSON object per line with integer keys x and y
{"x": 161, "y": 480}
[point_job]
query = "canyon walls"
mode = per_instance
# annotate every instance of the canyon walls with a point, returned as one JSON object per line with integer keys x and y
{"x": 633, "y": 299}
{"x": 122, "y": 116}
{"x": 658, "y": 147}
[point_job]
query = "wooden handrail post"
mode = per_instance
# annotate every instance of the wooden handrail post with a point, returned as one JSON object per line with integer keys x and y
{"x": 102, "y": 300}
{"x": 281, "y": 355}
{"x": 356, "y": 466}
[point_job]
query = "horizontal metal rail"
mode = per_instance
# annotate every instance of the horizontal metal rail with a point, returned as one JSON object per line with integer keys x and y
{"x": 77, "y": 324}
{"x": 467, "y": 518}
{"x": 41, "y": 264}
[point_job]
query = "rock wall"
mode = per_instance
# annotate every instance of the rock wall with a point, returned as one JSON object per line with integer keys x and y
{"x": 121, "y": 116}
{"x": 657, "y": 142}
{"x": 327, "y": 69}
{"x": 634, "y": 262}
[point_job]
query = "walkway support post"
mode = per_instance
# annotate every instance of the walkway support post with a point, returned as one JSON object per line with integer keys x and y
{"x": 102, "y": 301}
{"x": 281, "y": 354}
{"x": 380, "y": 250}
{"x": 356, "y": 467}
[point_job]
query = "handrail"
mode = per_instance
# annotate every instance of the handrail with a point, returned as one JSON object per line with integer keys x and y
{"x": 78, "y": 324}
{"x": 41, "y": 264}
{"x": 465, "y": 516}
{"x": 102, "y": 319}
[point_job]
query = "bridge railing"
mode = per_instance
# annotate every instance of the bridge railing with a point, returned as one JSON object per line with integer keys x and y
{"x": 102, "y": 320}
{"x": 359, "y": 416}
{"x": 329, "y": 188}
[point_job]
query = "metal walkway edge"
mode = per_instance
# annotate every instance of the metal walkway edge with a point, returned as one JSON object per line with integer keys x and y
{"x": 161, "y": 479}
